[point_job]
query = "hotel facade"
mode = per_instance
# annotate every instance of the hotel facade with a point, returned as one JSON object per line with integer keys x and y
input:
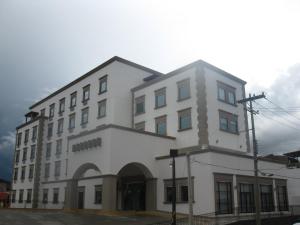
{"x": 103, "y": 142}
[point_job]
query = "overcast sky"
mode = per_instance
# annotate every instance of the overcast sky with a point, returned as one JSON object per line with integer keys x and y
{"x": 46, "y": 44}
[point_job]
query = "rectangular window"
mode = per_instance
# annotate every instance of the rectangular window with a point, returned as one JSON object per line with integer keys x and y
{"x": 246, "y": 194}
{"x": 181, "y": 190}
{"x": 266, "y": 198}
{"x": 24, "y": 158}
{"x": 224, "y": 197}
{"x": 16, "y": 174}
{"x": 29, "y": 195}
{"x": 43, "y": 112}
{"x": 140, "y": 126}
{"x": 73, "y": 100}
{"x": 140, "y": 105}
{"x": 184, "y": 193}
{"x": 17, "y": 157}
{"x": 51, "y": 111}
{"x": 55, "y": 195}
{"x": 183, "y": 89}
{"x": 160, "y": 98}
{"x": 45, "y": 196}
{"x": 226, "y": 93}
{"x": 47, "y": 170}
{"x": 13, "y": 196}
{"x": 31, "y": 171}
{"x": 48, "y": 150}
{"x": 161, "y": 125}
{"x": 282, "y": 198}
{"x": 86, "y": 93}
{"x": 72, "y": 121}
{"x": 228, "y": 122}
{"x": 21, "y": 194}
{"x": 23, "y": 172}
{"x": 32, "y": 152}
{"x": 61, "y": 105}
{"x": 184, "y": 119}
{"x": 50, "y": 130}
{"x": 102, "y": 108}
{"x": 34, "y": 133}
{"x": 58, "y": 147}
{"x": 168, "y": 194}
{"x": 98, "y": 194}
{"x": 19, "y": 139}
{"x": 26, "y": 136}
{"x": 60, "y": 126}
{"x": 103, "y": 84}
{"x": 84, "y": 116}
{"x": 57, "y": 168}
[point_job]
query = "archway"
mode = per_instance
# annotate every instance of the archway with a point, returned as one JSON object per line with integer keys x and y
{"x": 136, "y": 188}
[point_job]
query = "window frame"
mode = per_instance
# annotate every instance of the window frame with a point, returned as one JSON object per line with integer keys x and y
{"x": 161, "y": 120}
{"x": 72, "y": 116}
{"x": 51, "y": 111}
{"x": 31, "y": 171}
{"x": 62, "y": 105}
{"x": 227, "y": 89}
{"x": 140, "y": 100}
{"x": 57, "y": 168}
{"x": 229, "y": 118}
{"x": 101, "y": 81}
{"x": 83, "y": 112}
{"x": 158, "y": 93}
{"x": 29, "y": 196}
{"x": 98, "y": 188}
{"x": 50, "y": 128}
{"x": 60, "y": 126}
{"x": 180, "y": 84}
{"x": 102, "y": 103}
{"x": 34, "y": 133}
{"x": 73, "y": 102}
{"x": 181, "y": 113}
{"x": 86, "y": 94}
{"x": 55, "y": 197}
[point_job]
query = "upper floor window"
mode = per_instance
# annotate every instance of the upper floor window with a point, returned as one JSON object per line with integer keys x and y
{"x": 160, "y": 98}
{"x": 58, "y": 147}
{"x": 47, "y": 170}
{"x": 48, "y": 150}
{"x": 85, "y": 116}
{"x": 140, "y": 126}
{"x": 32, "y": 152}
{"x": 60, "y": 126}
{"x": 43, "y": 112}
{"x": 161, "y": 125}
{"x": 51, "y": 110}
{"x": 17, "y": 157}
{"x": 140, "y": 105}
{"x": 102, "y": 108}
{"x": 19, "y": 139}
{"x": 228, "y": 122}
{"x": 103, "y": 84}
{"x": 57, "y": 168}
{"x": 73, "y": 100}
{"x": 34, "y": 133}
{"x": 183, "y": 89}
{"x": 184, "y": 119}
{"x": 226, "y": 93}
{"x": 31, "y": 171}
{"x": 86, "y": 93}
{"x": 50, "y": 130}
{"x": 26, "y": 136}
{"x": 61, "y": 105}
{"x": 24, "y": 158}
{"x": 16, "y": 170}
{"x": 72, "y": 121}
{"x": 23, "y": 172}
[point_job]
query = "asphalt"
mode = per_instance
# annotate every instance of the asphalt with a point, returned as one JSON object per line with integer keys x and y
{"x": 49, "y": 217}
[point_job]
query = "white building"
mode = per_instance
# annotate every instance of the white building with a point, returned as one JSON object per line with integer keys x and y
{"x": 103, "y": 142}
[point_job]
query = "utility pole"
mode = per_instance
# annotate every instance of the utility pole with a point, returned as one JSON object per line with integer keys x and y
{"x": 173, "y": 154}
{"x": 190, "y": 189}
{"x": 255, "y": 151}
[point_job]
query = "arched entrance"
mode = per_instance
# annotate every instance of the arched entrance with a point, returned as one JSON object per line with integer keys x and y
{"x": 75, "y": 196}
{"x": 136, "y": 188}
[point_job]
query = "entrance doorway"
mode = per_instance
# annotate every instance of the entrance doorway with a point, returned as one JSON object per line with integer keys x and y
{"x": 80, "y": 198}
{"x": 134, "y": 195}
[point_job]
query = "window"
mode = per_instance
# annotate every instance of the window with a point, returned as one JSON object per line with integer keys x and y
{"x": 29, "y": 194}
{"x": 282, "y": 198}
{"x": 85, "y": 116}
{"x": 160, "y": 98}
{"x": 16, "y": 174}
{"x": 140, "y": 126}
{"x": 181, "y": 190}
{"x": 58, "y": 147}
{"x": 72, "y": 121}
{"x": 31, "y": 171}
{"x": 24, "y": 158}
{"x": 19, "y": 139}
{"x": 50, "y": 130}
{"x": 103, "y": 84}
{"x": 266, "y": 198}
{"x": 98, "y": 194}
{"x": 184, "y": 119}
{"x": 246, "y": 194}
{"x": 17, "y": 157}
{"x": 184, "y": 193}
{"x": 140, "y": 105}
{"x": 43, "y": 112}
{"x": 61, "y": 105}
{"x": 73, "y": 100}
{"x": 34, "y": 133}
{"x": 51, "y": 111}
{"x": 57, "y": 168}
{"x": 32, "y": 152}
{"x": 161, "y": 125}
{"x": 21, "y": 193}
{"x": 228, "y": 122}
{"x": 55, "y": 195}
{"x": 45, "y": 196}
{"x": 60, "y": 126}
{"x": 183, "y": 89}
{"x": 26, "y": 136}
{"x": 48, "y": 150}
{"x": 226, "y": 93}
{"x": 169, "y": 194}
{"x": 224, "y": 197}
{"x": 23, "y": 172}
{"x": 47, "y": 170}
{"x": 86, "y": 93}
{"x": 13, "y": 196}
{"x": 102, "y": 108}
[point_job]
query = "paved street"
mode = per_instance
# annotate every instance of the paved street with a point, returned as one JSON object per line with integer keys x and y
{"x": 27, "y": 217}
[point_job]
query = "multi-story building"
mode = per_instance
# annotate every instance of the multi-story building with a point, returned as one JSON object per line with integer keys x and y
{"x": 103, "y": 142}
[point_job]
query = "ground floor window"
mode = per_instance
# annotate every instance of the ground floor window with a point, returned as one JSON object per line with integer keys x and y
{"x": 182, "y": 193}
{"x": 21, "y": 193}
{"x": 13, "y": 196}
{"x": 246, "y": 194}
{"x": 45, "y": 196}
{"x": 282, "y": 198}
{"x": 266, "y": 197}
{"x": 29, "y": 194}
{"x": 55, "y": 195}
{"x": 98, "y": 194}
{"x": 224, "y": 197}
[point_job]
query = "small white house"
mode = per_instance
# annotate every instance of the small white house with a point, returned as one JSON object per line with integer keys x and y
{"x": 103, "y": 142}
